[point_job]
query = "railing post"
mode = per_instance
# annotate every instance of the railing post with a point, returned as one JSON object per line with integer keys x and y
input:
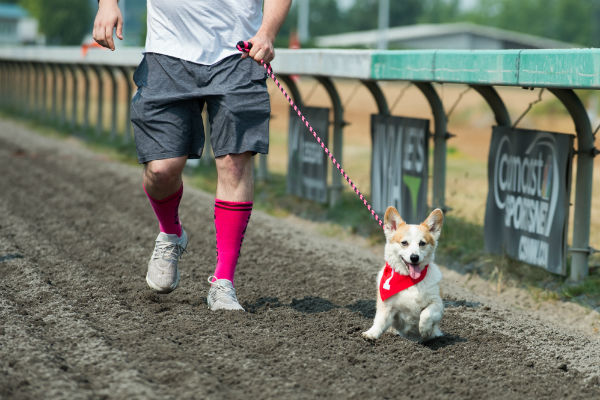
{"x": 4, "y": 79}
{"x": 34, "y": 90}
{"x": 17, "y": 85}
{"x": 44, "y": 95}
{"x": 10, "y": 86}
{"x": 580, "y": 250}
{"x": 54, "y": 107}
{"x": 38, "y": 90}
{"x": 115, "y": 101}
{"x": 263, "y": 173}
{"x": 378, "y": 95}
{"x": 292, "y": 89}
{"x": 63, "y": 94}
{"x": 11, "y": 81}
{"x": 15, "y": 88}
{"x": 8, "y": 83}
{"x": 86, "y": 94}
{"x": 74, "y": 94}
{"x": 128, "y": 129}
{"x": 30, "y": 89}
{"x": 7, "y": 73}
{"x": 491, "y": 96}
{"x": 28, "y": 76}
{"x": 100, "y": 99}
{"x": 22, "y": 84}
{"x": 439, "y": 139}
{"x": 338, "y": 127}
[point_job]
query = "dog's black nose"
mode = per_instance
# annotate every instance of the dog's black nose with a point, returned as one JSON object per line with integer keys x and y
{"x": 414, "y": 258}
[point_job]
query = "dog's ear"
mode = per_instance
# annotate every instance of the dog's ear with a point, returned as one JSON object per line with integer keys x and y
{"x": 391, "y": 221}
{"x": 434, "y": 222}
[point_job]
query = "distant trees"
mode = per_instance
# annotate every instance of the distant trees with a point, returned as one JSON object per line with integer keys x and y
{"x": 576, "y": 21}
{"x": 363, "y": 14}
{"x": 440, "y": 11}
{"x": 573, "y": 21}
{"x": 64, "y": 22}
{"x": 326, "y": 18}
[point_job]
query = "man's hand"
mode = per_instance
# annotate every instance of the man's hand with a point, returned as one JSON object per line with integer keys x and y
{"x": 108, "y": 17}
{"x": 262, "y": 49}
{"x": 274, "y": 13}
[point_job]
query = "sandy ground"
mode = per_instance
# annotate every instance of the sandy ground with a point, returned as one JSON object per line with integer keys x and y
{"x": 77, "y": 320}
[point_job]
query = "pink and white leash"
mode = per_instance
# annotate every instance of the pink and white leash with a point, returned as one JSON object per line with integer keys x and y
{"x": 245, "y": 47}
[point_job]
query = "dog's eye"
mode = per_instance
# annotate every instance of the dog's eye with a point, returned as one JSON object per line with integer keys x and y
{"x": 422, "y": 243}
{"x": 404, "y": 243}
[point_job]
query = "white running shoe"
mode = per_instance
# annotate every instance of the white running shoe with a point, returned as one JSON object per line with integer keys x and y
{"x": 221, "y": 295}
{"x": 163, "y": 274}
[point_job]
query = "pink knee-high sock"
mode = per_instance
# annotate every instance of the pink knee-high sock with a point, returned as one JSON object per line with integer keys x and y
{"x": 231, "y": 220}
{"x": 167, "y": 212}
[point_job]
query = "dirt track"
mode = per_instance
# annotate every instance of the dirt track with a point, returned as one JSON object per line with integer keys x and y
{"x": 77, "y": 320}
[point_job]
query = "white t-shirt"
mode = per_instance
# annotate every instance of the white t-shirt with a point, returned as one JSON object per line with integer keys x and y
{"x": 201, "y": 31}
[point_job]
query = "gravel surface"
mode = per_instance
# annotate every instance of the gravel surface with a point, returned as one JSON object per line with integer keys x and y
{"x": 78, "y": 321}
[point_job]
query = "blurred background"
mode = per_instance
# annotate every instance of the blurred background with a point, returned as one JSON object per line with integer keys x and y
{"x": 69, "y": 22}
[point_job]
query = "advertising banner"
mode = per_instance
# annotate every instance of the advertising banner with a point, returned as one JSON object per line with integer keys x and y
{"x": 307, "y": 162}
{"x": 529, "y": 181}
{"x": 399, "y": 166}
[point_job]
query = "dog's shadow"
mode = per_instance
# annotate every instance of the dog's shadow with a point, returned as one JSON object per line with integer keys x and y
{"x": 443, "y": 341}
{"x": 366, "y": 308}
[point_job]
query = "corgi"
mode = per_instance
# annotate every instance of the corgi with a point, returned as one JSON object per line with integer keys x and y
{"x": 408, "y": 293}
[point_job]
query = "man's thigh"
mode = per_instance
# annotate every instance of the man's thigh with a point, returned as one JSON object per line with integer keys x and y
{"x": 166, "y": 116}
{"x": 239, "y": 113}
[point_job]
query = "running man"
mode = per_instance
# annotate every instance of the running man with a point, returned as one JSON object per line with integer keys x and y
{"x": 190, "y": 60}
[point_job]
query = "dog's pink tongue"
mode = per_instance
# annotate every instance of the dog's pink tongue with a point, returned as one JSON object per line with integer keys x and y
{"x": 414, "y": 271}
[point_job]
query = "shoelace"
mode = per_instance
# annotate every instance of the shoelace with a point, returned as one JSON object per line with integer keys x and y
{"x": 222, "y": 291}
{"x": 168, "y": 250}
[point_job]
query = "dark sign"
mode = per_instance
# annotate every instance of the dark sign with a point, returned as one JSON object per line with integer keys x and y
{"x": 529, "y": 180}
{"x": 399, "y": 165}
{"x": 307, "y": 162}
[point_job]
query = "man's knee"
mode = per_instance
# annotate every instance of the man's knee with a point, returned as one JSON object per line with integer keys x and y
{"x": 235, "y": 167}
{"x": 163, "y": 172}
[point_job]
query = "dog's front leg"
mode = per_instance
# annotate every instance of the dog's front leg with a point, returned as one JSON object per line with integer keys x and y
{"x": 430, "y": 319}
{"x": 383, "y": 320}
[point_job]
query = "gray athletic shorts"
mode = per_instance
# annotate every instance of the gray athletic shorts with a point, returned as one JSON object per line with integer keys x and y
{"x": 166, "y": 110}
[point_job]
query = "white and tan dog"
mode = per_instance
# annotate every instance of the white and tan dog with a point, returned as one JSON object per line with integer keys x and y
{"x": 408, "y": 293}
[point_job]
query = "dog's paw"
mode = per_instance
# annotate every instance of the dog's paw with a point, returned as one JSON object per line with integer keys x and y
{"x": 370, "y": 335}
{"x": 426, "y": 331}
{"x": 434, "y": 333}
{"x": 395, "y": 331}
{"x": 437, "y": 332}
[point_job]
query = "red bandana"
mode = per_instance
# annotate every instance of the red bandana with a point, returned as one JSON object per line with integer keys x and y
{"x": 392, "y": 282}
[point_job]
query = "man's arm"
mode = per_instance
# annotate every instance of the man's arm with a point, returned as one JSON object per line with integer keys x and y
{"x": 274, "y": 13}
{"x": 108, "y": 17}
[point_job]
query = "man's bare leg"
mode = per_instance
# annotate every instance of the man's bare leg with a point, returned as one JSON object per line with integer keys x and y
{"x": 164, "y": 188}
{"x": 233, "y": 206}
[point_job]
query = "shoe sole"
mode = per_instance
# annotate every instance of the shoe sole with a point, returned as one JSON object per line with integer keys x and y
{"x": 162, "y": 290}
{"x": 226, "y": 309}
{"x": 220, "y": 306}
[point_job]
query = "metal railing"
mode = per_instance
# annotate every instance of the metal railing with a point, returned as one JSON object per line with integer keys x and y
{"x": 47, "y": 83}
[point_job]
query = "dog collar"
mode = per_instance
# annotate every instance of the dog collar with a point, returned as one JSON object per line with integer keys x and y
{"x": 392, "y": 282}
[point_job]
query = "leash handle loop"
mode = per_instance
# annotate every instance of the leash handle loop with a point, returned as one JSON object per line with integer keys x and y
{"x": 245, "y": 47}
